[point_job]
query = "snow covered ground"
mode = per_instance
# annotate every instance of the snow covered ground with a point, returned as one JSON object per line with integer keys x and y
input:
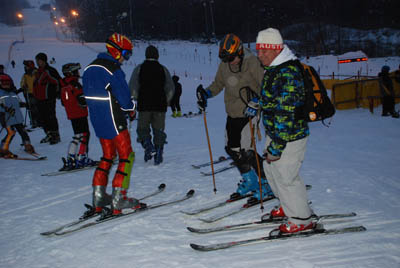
{"x": 353, "y": 166}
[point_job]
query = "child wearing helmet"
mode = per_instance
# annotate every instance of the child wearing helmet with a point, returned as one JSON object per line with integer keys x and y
{"x": 11, "y": 118}
{"x": 27, "y": 81}
{"x": 75, "y": 106}
{"x": 109, "y": 99}
{"x": 175, "y": 102}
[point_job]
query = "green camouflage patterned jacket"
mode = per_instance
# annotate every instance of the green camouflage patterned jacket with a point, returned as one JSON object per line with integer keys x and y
{"x": 278, "y": 104}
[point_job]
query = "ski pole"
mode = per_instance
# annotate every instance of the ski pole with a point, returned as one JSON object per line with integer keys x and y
{"x": 253, "y": 141}
{"x": 209, "y": 149}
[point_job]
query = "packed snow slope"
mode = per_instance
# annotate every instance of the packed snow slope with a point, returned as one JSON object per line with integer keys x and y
{"x": 353, "y": 166}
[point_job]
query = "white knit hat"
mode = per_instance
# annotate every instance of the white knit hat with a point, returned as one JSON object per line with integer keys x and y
{"x": 269, "y": 39}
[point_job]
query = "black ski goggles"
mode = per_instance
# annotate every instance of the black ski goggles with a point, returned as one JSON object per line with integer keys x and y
{"x": 226, "y": 57}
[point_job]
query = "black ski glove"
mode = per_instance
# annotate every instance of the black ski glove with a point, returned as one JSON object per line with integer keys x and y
{"x": 202, "y": 96}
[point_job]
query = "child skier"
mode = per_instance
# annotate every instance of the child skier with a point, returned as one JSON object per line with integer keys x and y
{"x": 11, "y": 118}
{"x": 175, "y": 102}
{"x": 27, "y": 85}
{"x": 73, "y": 100}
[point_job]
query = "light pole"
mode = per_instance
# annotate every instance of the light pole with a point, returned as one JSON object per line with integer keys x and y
{"x": 121, "y": 17}
{"x": 205, "y": 17}
{"x": 212, "y": 19}
{"x": 21, "y": 21}
{"x": 75, "y": 14}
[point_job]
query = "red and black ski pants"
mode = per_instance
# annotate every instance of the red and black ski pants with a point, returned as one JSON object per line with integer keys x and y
{"x": 120, "y": 145}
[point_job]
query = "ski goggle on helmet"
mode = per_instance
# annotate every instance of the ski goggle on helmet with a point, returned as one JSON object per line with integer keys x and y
{"x": 71, "y": 69}
{"x": 230, "y": 47}
{"x": 119, "y": 45}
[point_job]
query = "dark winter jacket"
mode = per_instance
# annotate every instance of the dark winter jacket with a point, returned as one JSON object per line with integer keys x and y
{"x": 107, "y": 96}
{"x": 178, "y": 88}
{"x": 385, "y": 84}
{"x": 46, "y": 85}
{"x": 397, "y": 76}
{"x": 151, "y": 85}
{"x": 71, "y": 98}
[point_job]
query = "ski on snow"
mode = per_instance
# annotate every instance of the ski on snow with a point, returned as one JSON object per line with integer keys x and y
{"x": 36, "y": 157}
{"x": 83, "y": 218}
{"x": 56, "y": 173}
{"x": 214, "y": 205}
{"x": 191, "y": 114}
{"x": 220, "y": 159}
{"x": 219, "y": 170}
{"x": 319, "y": 230}
{"x": 60, "y": 172}
{"x": 262, "y": 223}
{"x": 101, "y": 220}
{"x": 240, "y": 209}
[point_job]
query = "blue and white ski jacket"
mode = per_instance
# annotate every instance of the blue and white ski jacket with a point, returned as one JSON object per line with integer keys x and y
{"x": 10, "y": 99}
{"x": 107, "y": 96}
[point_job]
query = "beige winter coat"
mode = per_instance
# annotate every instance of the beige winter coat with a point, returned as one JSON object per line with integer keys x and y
{"x": 232, "y": 80}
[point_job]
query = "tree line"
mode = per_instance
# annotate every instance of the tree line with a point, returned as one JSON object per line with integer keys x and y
{"x": 307, "y": 21}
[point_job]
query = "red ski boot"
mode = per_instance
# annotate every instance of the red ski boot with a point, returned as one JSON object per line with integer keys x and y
{"x": 291, "y": 227}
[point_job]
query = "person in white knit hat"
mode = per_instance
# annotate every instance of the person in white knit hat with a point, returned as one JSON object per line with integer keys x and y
{"x": 281, "y": 95}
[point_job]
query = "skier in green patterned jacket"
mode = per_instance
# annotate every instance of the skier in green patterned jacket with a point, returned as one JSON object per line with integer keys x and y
{"x": 286, "y": 133}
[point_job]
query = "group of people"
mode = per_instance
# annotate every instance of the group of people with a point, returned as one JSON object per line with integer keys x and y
{"x": 110, "y": 100}
{"x": 244, "y": 78}
{"x": 249, "y": 96}
{"x": 11, "y": 117}
{"x": 40, "y": 87}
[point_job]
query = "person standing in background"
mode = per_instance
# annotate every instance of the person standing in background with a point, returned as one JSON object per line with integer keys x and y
{"x": 175, "y": 102}
{"x": 152, "y": 87}
{"x": 27, "y": 81}
{"x": 46, "y": 89}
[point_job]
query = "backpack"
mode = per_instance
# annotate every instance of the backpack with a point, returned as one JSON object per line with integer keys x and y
{"x": 317, "y": 105}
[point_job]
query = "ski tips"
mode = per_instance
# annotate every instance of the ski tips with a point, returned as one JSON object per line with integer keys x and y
{"x": 161, "y": 186}
{"x": 206, "y": 220}
{"x": 195, "y": 246}
{"x": 190, "y": 193}
{"x": 191, "y": 229}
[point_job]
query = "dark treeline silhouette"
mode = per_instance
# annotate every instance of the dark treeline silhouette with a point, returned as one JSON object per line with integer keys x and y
{"x": 9, "y": 10}
{"x": 313, "y": 23}
{"x": 187, "y": 19}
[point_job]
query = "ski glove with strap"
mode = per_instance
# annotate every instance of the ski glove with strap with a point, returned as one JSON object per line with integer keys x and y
{"x": 202, "y": 96}
{"x": 252, "y": 108}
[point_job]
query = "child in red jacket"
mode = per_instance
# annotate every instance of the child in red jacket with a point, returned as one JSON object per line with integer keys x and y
{"x": 73, "y": 100}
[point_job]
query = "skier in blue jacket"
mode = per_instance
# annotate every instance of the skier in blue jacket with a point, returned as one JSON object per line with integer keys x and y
{"x": 109, "y": 100}
{"x": 11, "y": 118}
